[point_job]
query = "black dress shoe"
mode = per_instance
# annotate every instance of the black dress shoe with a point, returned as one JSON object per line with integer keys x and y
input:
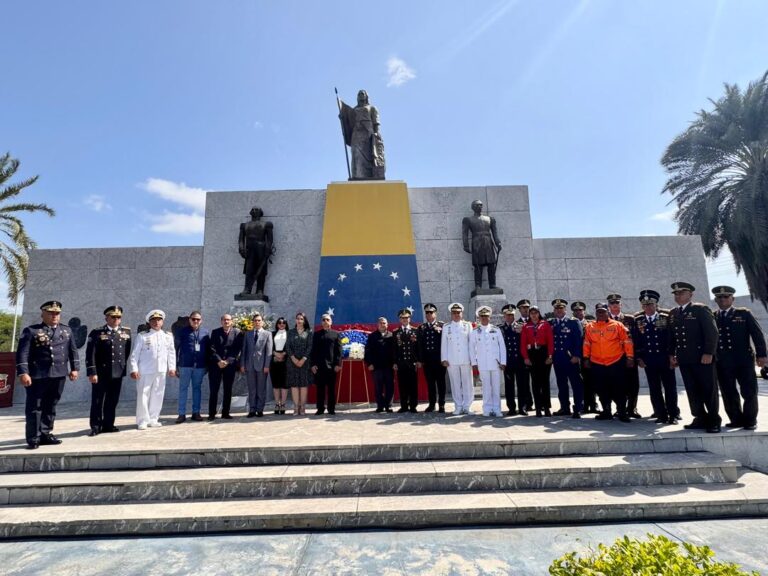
{"x": 379, "y": 410}
{"x": 625, "y": 418}
{"x": 331, "y": 412}
{"x": 511, "y": 413}
{"x": 211, "y": 418}
{"x": 388, "y": 409}
{"x": 634, "y": 414}
{"x": 673, "y": 420}
{"x": 661, "y": 420}
{"x": 260, "y": 414}
{"x": 694, "y": 426}
{"x": 110, "y": 430}
{"x": 430, "y": 408}
{"x": 714, "y": 429}
{"x": 197, "y": 418}
{"x": 751, "y": 427}
{"x": 604, "y": 416}
{"x": 319, "y": 412}
{"x": 181, "y": 419}
{"x": 522, "y": 412}
{"x": 576, "y": 415}
{"x": 401, "y": 410}
{"x": 93, "y": 432}
{"x": 538, "y": 413}
{"x": 733, "y": 425}
{"x": 562, "y": 412}
{"x": 33, "y": 445}
{"x": 226, "y": 417}
{"x": 49, "y": 440}
{"x": 413, "y": 411}
{"x": 251, "y": 415}
{"x": 547, "y": 412}
{"x": 441, "y": 409}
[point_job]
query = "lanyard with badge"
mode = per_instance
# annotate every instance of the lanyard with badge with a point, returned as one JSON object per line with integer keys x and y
{"x": 197, "y": 341}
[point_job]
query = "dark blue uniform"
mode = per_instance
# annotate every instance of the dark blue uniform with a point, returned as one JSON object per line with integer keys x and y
{"x": 406, "y": 349}
{"x": 651, "y": 338}
{"x": 45, "y": 354}
{"x": 428, "y": 340}
{"x": 631, "y": 375}
{"x": 106, "y": 356}
{"x": 568, "y": 344}
{"x": 516, "y": 373}
{"x": 380, "y": 352}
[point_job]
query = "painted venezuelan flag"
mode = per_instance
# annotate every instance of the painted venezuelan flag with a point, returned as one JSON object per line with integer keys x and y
{"x": 368, "y": 256}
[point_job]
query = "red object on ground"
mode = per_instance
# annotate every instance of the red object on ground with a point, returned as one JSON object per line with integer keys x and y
{"x": 7, "y": 378}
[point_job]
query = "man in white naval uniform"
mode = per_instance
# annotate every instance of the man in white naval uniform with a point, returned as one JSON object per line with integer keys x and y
{"x": 454, "y": 353}
{"x": 488, "y": 354}
{"x": 153, "y": 357}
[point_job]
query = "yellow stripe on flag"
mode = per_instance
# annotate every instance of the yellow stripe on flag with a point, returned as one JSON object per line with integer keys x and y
{"x": 367, "y": 218}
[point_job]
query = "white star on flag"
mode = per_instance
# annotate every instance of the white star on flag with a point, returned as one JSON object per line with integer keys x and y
{"x": 409, "y": 308}
{"x": 332, "y": 292}
{"x": 406, "y": 291}
{"x": 329, "y": 311}
{"x": 358, "y": 267}
{"x": 342, "y": 277}
{"x": 377, "y": 266}
{"x": 394, "y": 275}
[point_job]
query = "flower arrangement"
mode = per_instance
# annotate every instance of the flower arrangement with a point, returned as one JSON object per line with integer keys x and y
{"x": 353, "y": 344}
{"x": 244, "y": 320}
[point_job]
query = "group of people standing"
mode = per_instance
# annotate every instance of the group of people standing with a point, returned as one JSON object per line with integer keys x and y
{"x": 593, "y": 358}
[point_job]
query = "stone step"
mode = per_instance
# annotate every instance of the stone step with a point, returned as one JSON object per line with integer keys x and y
{"x": 448, "y": 476}
{"x": 61, "y": 458}
{"x": 747, "y": 497}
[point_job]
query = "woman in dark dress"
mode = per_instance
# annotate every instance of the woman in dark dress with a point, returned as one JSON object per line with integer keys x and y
{"x": 298, "y": 347}
{"x": 277, "y": 369}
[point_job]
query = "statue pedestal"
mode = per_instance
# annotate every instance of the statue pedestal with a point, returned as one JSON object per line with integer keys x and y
{"x": 251, "y": 306}
{"x": 495, "y": 301}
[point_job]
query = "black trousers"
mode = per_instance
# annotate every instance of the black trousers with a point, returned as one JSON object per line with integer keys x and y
{"x": 590, "y": 393}
{"x": 632, "y": 380}
{"x": 384, "y": 386}
{"x": 609, "y": 381}
{"x": 523, "y": 382}
{"x": 215, "y": 377}
{"x": 540, "y": 377}
{"x": 662, "y": 386}
{"x": 700, "y": 387}
{"x": 744, "y": 374}
{"x": 104, "y": 397}
{"x": 434, "y": 373}
{"x": 40, "y": 408}
{"x": 407, "y": 385}
{"x": 325, "y": 380}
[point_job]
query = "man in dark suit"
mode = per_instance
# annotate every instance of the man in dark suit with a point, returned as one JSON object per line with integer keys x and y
{"x": 380, "y": 358}
{"x": 44, "y": 352}
{"x": 226, "y": 343}
{"x": 567, "y": 359}
{"x": 736, "y": 360}
{"x": 325, "y": 360}
{"x": 651, "y": 338}
{"x": 106, "y": 358}
{"x": 631, "y": 374}
{"x": 429, "y": 335}
{"x": 406, "y": 350}
{"x": 254, "y": 363}
{"x": 692, "y": 347}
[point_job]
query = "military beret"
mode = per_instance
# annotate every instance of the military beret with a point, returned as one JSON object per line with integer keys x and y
{"x": 559, "y": 303}
{"x": 456, "y": 306}
{"x": 601, "y": 306}
{"x": 613, "y": 298}
{"x": 113, "y": 311}
{"x": 484, "y": 311}
{"x": 403, "y": 312}
{"x": 523, "y": 302}
{"x": 680, "y": 286}
{"x": 429, "y": 307}
{"x": 155, "y": 314}
{"x": 51, "y": 306}
{"x": 723, "y": 291}
{"x": 508, "y": 308}
{"x": 649, "y": 297}
{"x": 578, "y": 306}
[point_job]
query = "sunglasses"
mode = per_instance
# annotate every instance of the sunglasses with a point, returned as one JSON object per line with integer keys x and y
{"x": 196, "y": 319}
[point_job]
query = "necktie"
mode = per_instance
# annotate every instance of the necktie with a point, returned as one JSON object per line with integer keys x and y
{"x": 680, "y": 310}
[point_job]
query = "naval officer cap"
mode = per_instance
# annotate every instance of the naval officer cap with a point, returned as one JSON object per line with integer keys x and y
{"x": 508, "y": 308}
{"x": 429, "y": 307}
{"x": 115, "y": 311}
{"x": 404, "y": 313}
{"x": 649, "y": 297}
{"x": 578, "y": 306}
{"x": 155, "y": 314}
{"x": 723, "y": 290}
{"x": 523, "y": 302}
{"x": 601, "y": 306}
{"x": 682, "y": 287}
{"x": 484, "y": 311}
{"x": 559, "y": 303}
{"x": 613, "y": 298}
{"x": 456, "y": 306}
{"x": 51, "y": 306}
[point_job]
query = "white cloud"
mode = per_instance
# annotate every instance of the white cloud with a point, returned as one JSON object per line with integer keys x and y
{"x": 399, "y": 72}
{"x": 171, "y": 222}
{"x": 178, "y": 223}
{"x": 176, "y": 192}
{"x": 667, "y": 216}
{"x": 97, "y": 203}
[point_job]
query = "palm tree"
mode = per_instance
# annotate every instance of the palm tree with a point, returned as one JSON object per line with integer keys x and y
{"x": 719, "y": 180}
{"x": 14, "y": 242}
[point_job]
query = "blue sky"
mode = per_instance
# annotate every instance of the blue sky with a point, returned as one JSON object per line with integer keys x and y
{"x": 130, "y": 111}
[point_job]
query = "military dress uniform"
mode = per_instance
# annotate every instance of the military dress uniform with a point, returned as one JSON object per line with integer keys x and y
{"x": 515, "y": 370}
{"x": 736, "y": 361}
{"x": 631, "y": 373}
{"x": 407, "y": 354}
{"x": 568, "y": 345}
{"x": 428, "y": 341}
{"x": 590, "y": 394}
{"x": 44, "y": 353}
{"x": 523, "y": 376}
{"x": 651, "y": 337}
{"x": 694, "y": 333}
{"x": 488, "y": 352}
{"x": 454, "y": 349}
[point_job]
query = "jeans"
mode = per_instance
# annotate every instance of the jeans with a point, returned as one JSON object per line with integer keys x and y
{"x": 195, "y": 375}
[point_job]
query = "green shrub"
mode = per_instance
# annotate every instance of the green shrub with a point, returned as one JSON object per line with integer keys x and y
{"x": 657, "y": 556}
